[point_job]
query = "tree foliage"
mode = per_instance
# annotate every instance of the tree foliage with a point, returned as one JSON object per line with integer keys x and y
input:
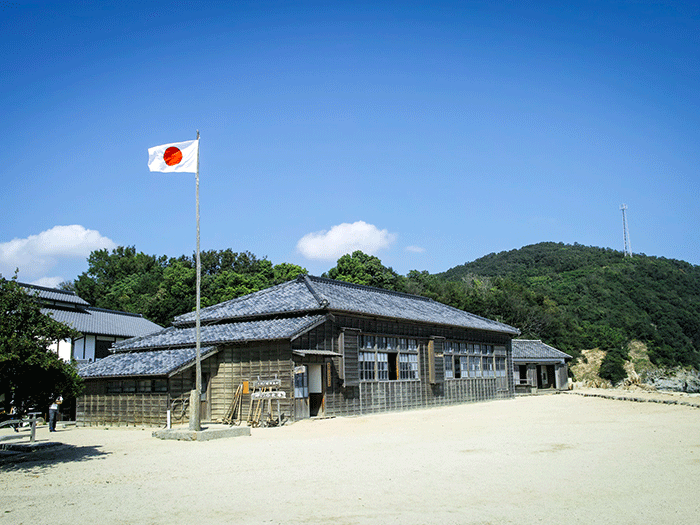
{"x": 360, "y": 268}
{"x": 31, "y": 375}
{"x": 161, "y": 288}
{"x": 605, "y": 298}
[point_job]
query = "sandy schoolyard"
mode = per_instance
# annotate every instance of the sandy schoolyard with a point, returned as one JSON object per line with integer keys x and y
{"x": 563, "y": 459}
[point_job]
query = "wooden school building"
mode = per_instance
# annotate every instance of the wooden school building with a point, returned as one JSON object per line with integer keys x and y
{"x": 315, "y": 346}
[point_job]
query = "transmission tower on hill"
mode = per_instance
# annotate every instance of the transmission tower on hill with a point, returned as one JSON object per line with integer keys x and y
{"x": 625, "y": 231}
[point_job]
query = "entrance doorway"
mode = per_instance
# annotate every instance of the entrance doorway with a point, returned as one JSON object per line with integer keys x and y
{"x": 315, "y": 390}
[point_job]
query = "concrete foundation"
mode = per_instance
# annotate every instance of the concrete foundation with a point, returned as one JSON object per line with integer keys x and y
{"x": 206, "y": 434}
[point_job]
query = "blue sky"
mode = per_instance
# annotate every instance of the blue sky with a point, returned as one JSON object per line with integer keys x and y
{"x": 426, "y": 133}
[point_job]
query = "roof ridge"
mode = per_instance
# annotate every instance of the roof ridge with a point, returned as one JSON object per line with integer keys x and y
{"x": 320, "y": 299}
{"x": 225, "y": 304}
{"x": 47, "y": 289}
{"x": 367, "y": 287}
{"x": 107, "y": 310}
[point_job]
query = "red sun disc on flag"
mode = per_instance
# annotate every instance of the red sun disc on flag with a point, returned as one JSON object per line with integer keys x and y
{"x": 172, "y": 156}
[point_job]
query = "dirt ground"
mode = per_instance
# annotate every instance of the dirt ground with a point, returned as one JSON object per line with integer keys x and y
{"x": 560, "y": 458}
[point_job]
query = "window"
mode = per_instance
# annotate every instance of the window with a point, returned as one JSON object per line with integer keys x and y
{"x": 102, "y": 348}
{"x": 449, "y": 372}
{"x": 367, "y": 341}
{"x": 464, "y": 365}
{"x": 387, "y": 358}
{"x": 141, "y": 386}
{"x": 366, "y": 362}
{"x": 408, "y": 366}
{"x": 488, "y": 367}
{"x": 382, "y": 366}
{"x": 500, "y": 367}
{"x": 464, "y": 360}
{"x": 474, "y": 366}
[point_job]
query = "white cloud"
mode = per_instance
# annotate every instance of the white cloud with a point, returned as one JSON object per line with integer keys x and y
{"x": 415, "y": 249}
{"x": 329, "y": 245}
{"x": 39, "y": 253}
{"x": 48, "y": 282}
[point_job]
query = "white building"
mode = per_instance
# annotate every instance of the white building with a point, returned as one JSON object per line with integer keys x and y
{"x": 99, "y": 328}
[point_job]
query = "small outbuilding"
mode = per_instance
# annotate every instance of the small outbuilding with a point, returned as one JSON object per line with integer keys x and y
{"x": 538, "y": 366}
{"x": 316, "y": 347}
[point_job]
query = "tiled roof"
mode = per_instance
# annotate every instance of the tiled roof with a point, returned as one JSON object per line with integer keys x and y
{"x": 54, "y": 294}
{"x": 374, "y": 301}
{"x": 309, "y": 293}
{"x": 103, "y": 322}
{"x": 151, "y": 363}
{"x": 536, "y": 350}
{"x": 260, "y": 330}
{"x": 292, "y": 296}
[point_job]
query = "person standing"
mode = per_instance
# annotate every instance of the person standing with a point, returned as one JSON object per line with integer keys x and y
{"x": 53, "y": 413}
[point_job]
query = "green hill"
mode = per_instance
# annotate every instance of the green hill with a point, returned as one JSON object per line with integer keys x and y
{"x": 603, "y": 299}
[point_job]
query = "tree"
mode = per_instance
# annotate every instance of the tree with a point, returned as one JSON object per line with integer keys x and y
{"x": 31, "y": 375}
{"x": 121, "y": 280}
{"x": 360, "y": 268}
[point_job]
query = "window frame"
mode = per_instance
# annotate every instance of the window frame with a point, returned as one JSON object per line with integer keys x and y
{"x": 387, "y": 355}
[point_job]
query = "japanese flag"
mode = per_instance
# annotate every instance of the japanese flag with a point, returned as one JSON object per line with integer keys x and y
{"x": 179, "y": 156}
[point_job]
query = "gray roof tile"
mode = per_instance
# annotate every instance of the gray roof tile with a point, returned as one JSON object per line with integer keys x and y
{"x": 151, "y": 363}
{"x": 54, "y": 294}
{"x": 316, "y": 293}
{"x": 103, "y": 322}
{"x": 534, "y": 349}
{"x": 292, "y": 296}
{"x": 260, "y": 330}
{"x": 374, "y": 301}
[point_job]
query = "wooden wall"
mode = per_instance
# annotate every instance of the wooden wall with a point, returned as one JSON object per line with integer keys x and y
{"x": 345, "y": 394}
{"x": 122, "y": 409}
{"x": 256, "y": 361}
{"x": 349, "y": 396}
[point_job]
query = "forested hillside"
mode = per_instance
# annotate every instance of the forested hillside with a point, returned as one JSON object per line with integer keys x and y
{"x": 606, "y": 299}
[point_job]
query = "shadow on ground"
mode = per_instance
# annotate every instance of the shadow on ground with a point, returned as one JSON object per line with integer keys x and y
{"x": 46, "y": 459}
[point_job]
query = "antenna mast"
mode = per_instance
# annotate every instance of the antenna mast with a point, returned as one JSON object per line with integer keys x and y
{"x": 625, "y": 231}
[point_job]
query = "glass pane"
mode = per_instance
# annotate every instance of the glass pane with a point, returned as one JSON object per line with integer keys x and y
{"x": 382, "y": 366}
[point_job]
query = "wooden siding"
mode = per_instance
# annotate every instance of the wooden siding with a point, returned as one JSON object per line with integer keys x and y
{"x": 350, "y": 338}
{"x": 257, "y": 361}
{"x": 345, "y": 393}
{"x": 122, "y": 409}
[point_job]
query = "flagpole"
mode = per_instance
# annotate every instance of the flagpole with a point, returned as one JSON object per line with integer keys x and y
{"x": 195, "y": 395}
